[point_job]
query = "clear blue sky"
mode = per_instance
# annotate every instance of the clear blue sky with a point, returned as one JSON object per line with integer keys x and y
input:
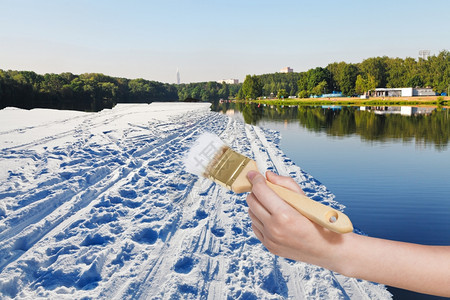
{"x": 212, "y": 40}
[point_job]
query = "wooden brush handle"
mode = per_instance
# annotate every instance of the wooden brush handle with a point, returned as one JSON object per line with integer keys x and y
{"x": 323, "y": 215}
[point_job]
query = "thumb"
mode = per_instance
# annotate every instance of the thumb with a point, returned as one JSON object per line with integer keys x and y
{"x": 255, "y": 177}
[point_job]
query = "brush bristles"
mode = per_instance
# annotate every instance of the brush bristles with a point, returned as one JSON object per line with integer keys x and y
{"x": 202, "y": 153}
{"x": 213, "y": 163}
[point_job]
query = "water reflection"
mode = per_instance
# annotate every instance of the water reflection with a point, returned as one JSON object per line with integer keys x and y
{"x": 424, "y": 125}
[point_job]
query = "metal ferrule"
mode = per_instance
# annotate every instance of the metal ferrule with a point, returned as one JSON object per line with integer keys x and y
{"x": 228, "y": 168}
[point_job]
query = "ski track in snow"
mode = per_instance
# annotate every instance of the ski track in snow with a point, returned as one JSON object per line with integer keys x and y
{"x": 98, "y": 206}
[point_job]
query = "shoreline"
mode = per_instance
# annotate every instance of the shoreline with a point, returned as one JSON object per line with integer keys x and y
{"x": 353, "y": 101}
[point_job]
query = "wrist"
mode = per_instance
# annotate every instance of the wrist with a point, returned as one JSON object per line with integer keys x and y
{"x": 345, "y": 255}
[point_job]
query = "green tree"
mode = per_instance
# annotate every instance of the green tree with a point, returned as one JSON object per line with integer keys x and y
{"x": 439, "y": 68}
{"x": 240, "y": 95}
{"x": 364, "y": 85}
{"x": 251, "y": 88}
{"x": 336, "y": 70}
{"x": 360, "y": 85}
{"x": 320, "y": 89}
{"x": 224, "y": 92}
{"x": 282, "y": 94}
{"x": 376, "y": 67}
{"x": 347, "y": 79}
{"x": 303, "y": 94}
{"x": 414, "y": 81}
{"x": 317, "y": 76}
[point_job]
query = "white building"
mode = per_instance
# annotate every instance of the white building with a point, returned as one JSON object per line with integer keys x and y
{"x": 229, "y": 81}
{"x": 287, "y": 70}
{"x": 402, "y": 92}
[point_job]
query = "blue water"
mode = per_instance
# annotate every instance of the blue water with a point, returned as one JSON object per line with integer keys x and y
{"x": 396, "y": 189}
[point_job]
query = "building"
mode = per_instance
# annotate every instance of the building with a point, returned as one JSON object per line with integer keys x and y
{"x": 178, "y": 77}
{"x": 287, "y": 70}
{"x": 402, "y": 92}
{"x": 229, "y": 81}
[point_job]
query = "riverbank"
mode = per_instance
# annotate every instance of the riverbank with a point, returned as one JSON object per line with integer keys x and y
{"x": 353, "y": 101}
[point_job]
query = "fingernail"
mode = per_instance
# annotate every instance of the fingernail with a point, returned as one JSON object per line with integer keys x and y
{"x": 251, "y": 175}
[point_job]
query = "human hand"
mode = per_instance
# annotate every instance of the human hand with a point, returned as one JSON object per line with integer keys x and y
{"x": 283, "y": 230}
{"x": 287, "y": 233}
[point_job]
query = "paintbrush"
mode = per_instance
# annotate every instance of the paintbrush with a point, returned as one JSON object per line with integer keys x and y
{"x": 210, "y": 157}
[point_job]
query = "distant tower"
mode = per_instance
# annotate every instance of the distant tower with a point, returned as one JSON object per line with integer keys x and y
{"x": 178, "y": 76}
{"x": 424, "y": 54}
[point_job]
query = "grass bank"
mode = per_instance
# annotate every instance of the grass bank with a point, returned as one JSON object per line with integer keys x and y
{"x": 351, "y": 101}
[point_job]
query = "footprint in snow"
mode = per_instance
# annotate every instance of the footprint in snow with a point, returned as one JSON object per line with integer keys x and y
{"x": 184, "y": 265}
{"x": 96, "y": 239}
{"x": 218, "y": 232}
{"x": 129, "y": 194}
{"x": 146, "y": 236}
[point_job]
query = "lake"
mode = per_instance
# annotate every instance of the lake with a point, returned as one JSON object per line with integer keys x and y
{"x": 390, "y": 166}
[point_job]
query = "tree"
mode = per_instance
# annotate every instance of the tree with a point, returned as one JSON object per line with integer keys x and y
{"x": 224, "y": 91}
{"x": 303, "y": 94}
{"x": 240, "y": 95}
{"x": 302, "y": 83}
{"x": 396, "y": 73}
{"x": 320, "y": 88}
{"x": 251, "y": 88}
{"x": 317, "y": 76}
{"x": 282, "y": 94}
{"x": 313, "y": 80}
{"x": 364, "y": 85}
{"x": 347, "y": 79}
{"x": 439, "y": 67}
{"x": 360, "y": 85}
{"x": 414, "y": 81}
{"x": 336, "y": 69}
{"x": 376, "y": 67}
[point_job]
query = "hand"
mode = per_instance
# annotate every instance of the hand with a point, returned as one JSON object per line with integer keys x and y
{"x": 287, "y": 233}
{"x": 283, "y": 230}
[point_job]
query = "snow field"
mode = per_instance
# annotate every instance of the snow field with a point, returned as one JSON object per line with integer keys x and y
{"x": 98, "y": 206}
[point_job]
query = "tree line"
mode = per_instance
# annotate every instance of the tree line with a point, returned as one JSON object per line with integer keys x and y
{"x": 85, "y": 92}
{"x": 208, "y": 91}
{"x": 95, "y": 91}
{"x": 353, "y": 78}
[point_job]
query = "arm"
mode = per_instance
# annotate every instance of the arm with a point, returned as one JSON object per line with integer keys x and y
{"x": 285, "y": 232}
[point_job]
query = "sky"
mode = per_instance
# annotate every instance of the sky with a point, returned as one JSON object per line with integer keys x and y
{"x": 213, "y": 40}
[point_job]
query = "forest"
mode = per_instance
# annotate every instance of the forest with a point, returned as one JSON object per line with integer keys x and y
{"x": 208, "y": 91}
{"x": 85, "y": 92}
{"x": 96, "y": 91}
{"x": 353, "y": 78}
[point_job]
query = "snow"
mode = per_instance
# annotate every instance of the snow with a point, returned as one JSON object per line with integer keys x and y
{"x": 98, "y": 206}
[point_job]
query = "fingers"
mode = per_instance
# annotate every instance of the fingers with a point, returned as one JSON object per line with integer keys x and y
{"x": 256, "y": 221}
{"x": 284, "y": 181}
{"x": 256, "y": 208}
{"x": 257, "y": 226}
{"x": 258, "y": 233}
{"x": 265, "y": 196}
